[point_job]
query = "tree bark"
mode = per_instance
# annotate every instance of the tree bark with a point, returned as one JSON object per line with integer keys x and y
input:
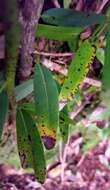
{"x": 30, "y": 11}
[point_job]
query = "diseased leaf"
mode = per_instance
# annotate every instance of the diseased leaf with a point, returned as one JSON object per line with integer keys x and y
{"x": 58, "y": 32}
{"x": 46, "y": 100}
{"x": 30, "y": 145}
{"x": 106, "y": 68}
{"x": 70, "y": 17}
{"x": 24, "y": 147}
{"x": 77, "y": 70}
{"x": 3, "y": 110}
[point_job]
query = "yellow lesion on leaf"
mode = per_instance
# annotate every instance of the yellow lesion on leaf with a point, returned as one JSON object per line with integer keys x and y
{"x": 46, "y": 131}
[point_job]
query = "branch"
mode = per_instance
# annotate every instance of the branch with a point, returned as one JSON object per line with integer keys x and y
{"x": 53, "y": 54}
{"x": 101, "y": 7}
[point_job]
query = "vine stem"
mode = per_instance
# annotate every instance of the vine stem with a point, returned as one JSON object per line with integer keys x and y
{"x": 12, "y": 44}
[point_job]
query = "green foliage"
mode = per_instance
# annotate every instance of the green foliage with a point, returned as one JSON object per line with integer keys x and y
{"x": 46, "y": 101}
{"x": 58, "y": 32}
{"x": 100, "y": 55}
{"x": 77, "y": 70}
{"x": 38, "y": 121}
{"x": 29, "y": 145}
{"x": 66, "y": 3}
{"x": 64, "y": 124}
{"x": 3, "y": 109}
{"x": 23, "y": 90}
{"x": 69, "y": 17}
{"x": 29, "y": 107}
{"x": 106, "y": 68}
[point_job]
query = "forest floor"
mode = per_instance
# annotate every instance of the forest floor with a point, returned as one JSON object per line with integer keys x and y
{"x": 79, "y": 172}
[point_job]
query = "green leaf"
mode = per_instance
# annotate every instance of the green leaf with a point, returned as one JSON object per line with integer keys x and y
{"x": 3, "y": 110}
{"x": 69, "y": 17}
{"x": 100, "y": 55}
{"x": 58, "y": 32}
{"x": 23, "y": 141}
{"x": 30, "y": 145}
{"x": 106, "y": 68}
{"x": 66, "y": 3}
{"x": 64, "y": 124}
{"x": 46, "y": 100}
{"x": 77, "y": 70}
{"x": 23, "y": 90}
{"x": 28, "y": 107}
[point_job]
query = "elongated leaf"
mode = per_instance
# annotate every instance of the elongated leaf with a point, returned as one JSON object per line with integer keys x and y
{"x": 30, "y": 145}
{"x": 106, "y": 68}
{"x": 24, "y": 147}
{"x": 3, "y": 109}
{"x": 77, "y": 70}
{"x": 69, "y": 17}
{"x": 64, "y": 124}
{"x": 24, "y": 90}
{"x": 58, "y": 32}
{"x": 46, "y": 100}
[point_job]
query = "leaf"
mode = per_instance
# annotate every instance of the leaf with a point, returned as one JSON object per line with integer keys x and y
{"x": 30, "y": 145}
{"x": 77, "y": 70}
{"x": 64, "y": 124}
{"x": 28, "y": 107}
{"x": 69, "y": 17}
{"x": 66, "y": 3}
{"x": 23, "y": 90}
{"x": 100, "y": 55}
{"x": 3, "y": 110}
{"x": 58, "y": 32}
{"x": 24, "y": 147}
{"x": 106, "y": 68}
{"x": 46, "y": 101}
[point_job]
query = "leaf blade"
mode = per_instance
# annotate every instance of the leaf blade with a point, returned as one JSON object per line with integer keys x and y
{"x": 46, "y": 101}
{"x": 69, "y": 17}
{"x": 31, "y": 148}
{"x": 77, "y": 70}
{"x": 53, "y": 32}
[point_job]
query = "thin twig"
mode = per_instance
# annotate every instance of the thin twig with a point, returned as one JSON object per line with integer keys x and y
{"x": 104, "y": 2}
{"x": 48, "y": 54}
{"x": 74, "y": 114}
{"x": 56, "y": 4}
{"x": 54, "y": 66}
{"x": 92, "y": 82}
{"x": 79, "y": 5}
